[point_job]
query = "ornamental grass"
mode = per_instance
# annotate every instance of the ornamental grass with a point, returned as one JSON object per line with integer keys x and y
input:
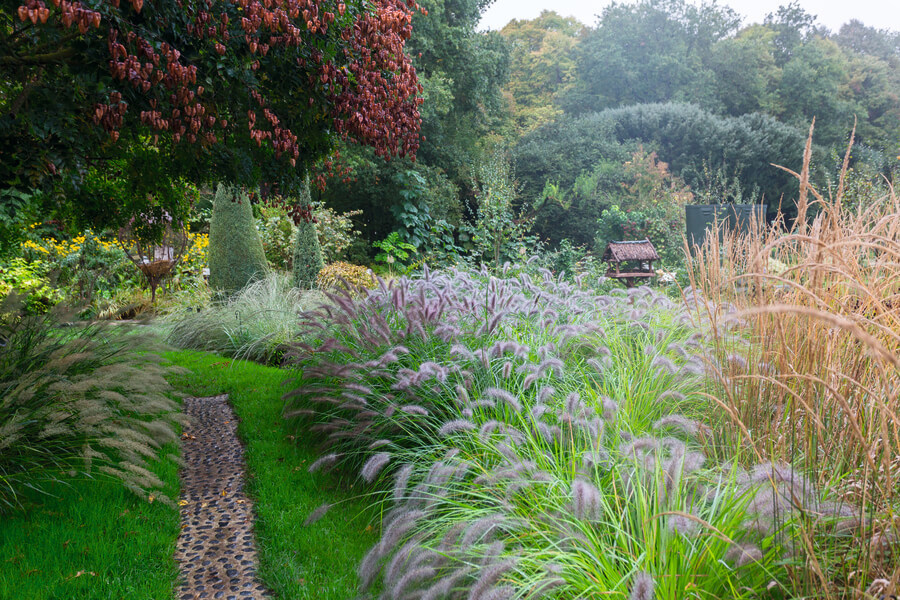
{"x": 527, "y": 438}
{"x": 805, "y": 345}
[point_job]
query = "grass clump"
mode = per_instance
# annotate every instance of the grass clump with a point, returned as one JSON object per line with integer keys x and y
{"x": 78, "y": 401}
{"x": 257, "y": 323}
{"x": 296, "y": 560}
{"x": 806, "y": 346}
{"x": 81, "y": 414}
{"x": 528, "y": 438}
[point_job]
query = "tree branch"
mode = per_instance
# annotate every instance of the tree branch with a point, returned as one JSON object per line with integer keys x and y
{"x": 39, "y": 59}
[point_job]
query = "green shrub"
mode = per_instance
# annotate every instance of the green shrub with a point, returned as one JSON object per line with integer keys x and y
{"x": 77, "y": 401}
{"x": 307, "y": 251}
{"x": 29, "y": 279}
{"x": 236, "y": 255}
{"x": 331, "y": 276}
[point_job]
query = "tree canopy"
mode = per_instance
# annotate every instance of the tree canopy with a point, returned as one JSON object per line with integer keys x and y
{"x": 242, "y": 91}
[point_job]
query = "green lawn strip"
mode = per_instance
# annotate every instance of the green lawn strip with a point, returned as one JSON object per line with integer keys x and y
{"x": 92, "y": 539}
{"x": 316, "y": 561}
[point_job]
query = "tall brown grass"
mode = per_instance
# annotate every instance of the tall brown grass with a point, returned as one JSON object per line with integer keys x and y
{"x": 806, "y": 329}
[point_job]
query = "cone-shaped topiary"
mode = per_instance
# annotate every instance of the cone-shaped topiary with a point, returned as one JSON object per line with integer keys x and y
{"x": 307, "y": 252}
{"x": 236, "y": 255}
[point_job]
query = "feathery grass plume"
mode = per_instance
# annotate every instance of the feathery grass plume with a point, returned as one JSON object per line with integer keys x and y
{"x": 504, "y": 396}
{"x": 610, "y": 408}
{"x": 401, "y": 480}
{"x": 488, "y": 577}
{"x": 462, "y": 395}
{"x": 599, "y": 365}
{"x": 488, "y": 428}
{"x": 415, "y": 409}
{"x": 586, "y": 500}
{"x": 674, "y": 394}
{"x": 506, "y": 370}
{"x": 374, "y": 465}
{"x": 545, "y": 393}
{"x": 665, "y": 364}
{"x": 441, "y": 590}
{"x": 642, "y": 587}
{"x": 412, "y": 576}
{"x": 597, "y": 459}
{"x": 551, "y": 364}
{"x": 378, "y": 444}
{"x": 317, "y": 514}
{"x": 481, "y": 530}
{"x": 503, "y": 592}
{"x": 686, "y": 425}
{"x": 743, "y": 553}
{"x": 455, "y": 426}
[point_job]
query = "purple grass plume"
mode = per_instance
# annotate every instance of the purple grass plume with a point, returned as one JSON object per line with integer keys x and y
{"x": 317, "y": 514}
{"x": 374, "y": 465}
{"x": 586, "y": 500}
{"x": 642, "y": 587}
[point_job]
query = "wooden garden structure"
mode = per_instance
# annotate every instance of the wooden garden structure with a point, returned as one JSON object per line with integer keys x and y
{"x": 630, "y": 261}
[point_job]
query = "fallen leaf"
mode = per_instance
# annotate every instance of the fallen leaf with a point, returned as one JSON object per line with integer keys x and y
{"x": 80, "y": 573}
{"x": 182, "y": 503}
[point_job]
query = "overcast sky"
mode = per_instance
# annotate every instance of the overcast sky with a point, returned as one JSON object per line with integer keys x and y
{"x": 882, "y": 14}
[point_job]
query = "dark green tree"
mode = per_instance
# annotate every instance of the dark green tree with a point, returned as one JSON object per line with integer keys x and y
{"x": 236, "y": 255}
{"x": 307, "y": 253}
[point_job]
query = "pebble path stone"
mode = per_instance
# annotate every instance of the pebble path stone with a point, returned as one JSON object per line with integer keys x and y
{"x": 216, "y": 551}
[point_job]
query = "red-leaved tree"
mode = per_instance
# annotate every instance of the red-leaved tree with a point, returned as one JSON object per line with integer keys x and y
{"x": 157, "y": 92}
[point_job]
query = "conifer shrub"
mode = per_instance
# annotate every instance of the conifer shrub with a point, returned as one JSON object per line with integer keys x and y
{"x": 236, "y": 255}
{"x": 307, "y": 251}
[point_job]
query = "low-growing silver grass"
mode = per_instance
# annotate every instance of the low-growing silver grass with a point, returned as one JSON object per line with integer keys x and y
{"x": 643, "y": 587}
{"x": 317, "y": 514}
{"x": 374, "y": 465}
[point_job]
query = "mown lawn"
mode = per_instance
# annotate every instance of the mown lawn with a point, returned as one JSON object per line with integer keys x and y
{"x": 316, "y": 561}
{"x": 91, "y": 540}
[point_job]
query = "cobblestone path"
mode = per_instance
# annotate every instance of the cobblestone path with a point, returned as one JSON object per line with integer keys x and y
{"x": 216, "y": 551}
